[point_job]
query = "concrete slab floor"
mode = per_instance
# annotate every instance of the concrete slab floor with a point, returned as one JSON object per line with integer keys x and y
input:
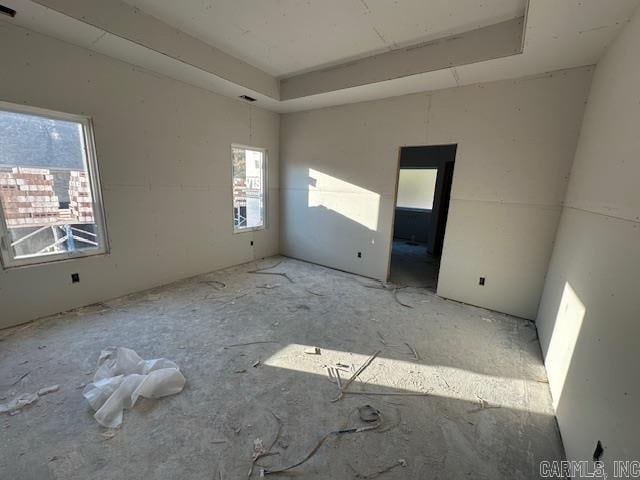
{"x": 411, "y": 264}
{"x": 488, "y": 415}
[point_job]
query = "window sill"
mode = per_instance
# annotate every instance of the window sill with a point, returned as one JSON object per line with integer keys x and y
{"x": 30, "y": 263}
{"x": 248, "y": 229}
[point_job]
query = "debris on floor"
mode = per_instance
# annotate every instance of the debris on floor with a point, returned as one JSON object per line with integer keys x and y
{"x": 383, "y": 341}
{"x": 228, "y": 406}
{"x": 259, "y": 450}
{"x": 264, "y": 271}
{"x": 17, "y": 403}
{"x": 24, "y": 375}
{"x": 482, "y": 405}
{"x": 367, "y": 414}
{"x": 334, "y": 376}
{"x": 122, "y": 377}
{"x": 344, "y": 389}
{"x": 216, "y": 284}
{"x": 14, "y": 406}
{"x": 401, "y": 462}
{"x": 355, "y": 375}
{"x": 315, "y": 293}
{"x": 413, "y": 350}
{"x": 46, "y": 390}
{"x": 109, "y": 434}
{"x": 249, "y": 343}
{"x": 390, "y": 287}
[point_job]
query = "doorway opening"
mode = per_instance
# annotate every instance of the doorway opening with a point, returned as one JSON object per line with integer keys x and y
{"x": 425, "y": 176}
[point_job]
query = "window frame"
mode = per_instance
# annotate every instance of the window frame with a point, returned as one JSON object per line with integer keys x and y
{"x": 7, "y": 258}
{"x": 265, "y": 189}
{"x": 435, "y": 187}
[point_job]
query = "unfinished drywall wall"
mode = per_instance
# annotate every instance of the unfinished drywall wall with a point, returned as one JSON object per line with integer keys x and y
{"x": 589, "y": 319}
{"x": 164, "y": 153}
{"x": 516, "y": 140}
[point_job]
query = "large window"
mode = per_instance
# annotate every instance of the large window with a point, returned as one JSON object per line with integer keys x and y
{"x": 416, "y": 188}
{"x": 50, "y": 205}
{"x": 249, "y": 168}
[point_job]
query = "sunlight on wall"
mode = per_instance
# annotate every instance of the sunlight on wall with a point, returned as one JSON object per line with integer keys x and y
{"x": 386, "y": 374}
{"x": 566, "y": 331}
{"x": 353, "y": 202}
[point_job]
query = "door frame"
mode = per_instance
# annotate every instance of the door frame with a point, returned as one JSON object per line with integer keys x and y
{"x": 442, "y": 165}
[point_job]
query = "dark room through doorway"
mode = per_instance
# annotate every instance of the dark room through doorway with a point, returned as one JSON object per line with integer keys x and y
{"x": 425, "y": 177}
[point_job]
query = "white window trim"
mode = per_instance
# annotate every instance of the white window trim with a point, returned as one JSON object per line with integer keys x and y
{"x": 265, "y": 188}
{"x": 8, "y": 261}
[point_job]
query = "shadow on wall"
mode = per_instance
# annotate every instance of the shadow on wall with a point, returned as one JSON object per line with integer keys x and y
{"x": 351, "y": 201}
{"x": 337, "y": 224}
{"x": 588, "y": 331}
{"x": 342, "y": 217}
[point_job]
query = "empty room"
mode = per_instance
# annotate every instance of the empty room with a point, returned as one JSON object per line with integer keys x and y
{"x": 321, "y": 239}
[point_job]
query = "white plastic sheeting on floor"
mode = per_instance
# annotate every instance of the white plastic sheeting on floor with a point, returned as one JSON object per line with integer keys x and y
{"x": 122, "y": 377}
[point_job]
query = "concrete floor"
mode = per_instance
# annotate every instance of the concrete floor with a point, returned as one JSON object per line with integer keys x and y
{"x": 488, "y": 415}
{"x": 411, "y": 264}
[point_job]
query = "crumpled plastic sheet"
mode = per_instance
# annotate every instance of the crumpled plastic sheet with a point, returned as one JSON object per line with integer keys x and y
{"x": 122, "y": 377}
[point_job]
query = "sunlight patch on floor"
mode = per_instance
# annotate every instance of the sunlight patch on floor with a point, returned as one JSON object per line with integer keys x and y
{"x": 391, "y": 374}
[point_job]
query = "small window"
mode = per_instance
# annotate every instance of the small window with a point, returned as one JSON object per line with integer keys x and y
{"x": 50, "y": 201}
{"x": 416, "y": 188}
{"x": 249, "y": 168}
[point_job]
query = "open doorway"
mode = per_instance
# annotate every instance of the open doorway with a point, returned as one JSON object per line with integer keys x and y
{"x": 425, "y": 177}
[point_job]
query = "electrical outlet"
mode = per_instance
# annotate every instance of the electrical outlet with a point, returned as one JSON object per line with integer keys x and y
{"x": 359, "y": 254}
{"x": 75, "y": 278}
{"x": 481, "y": 282}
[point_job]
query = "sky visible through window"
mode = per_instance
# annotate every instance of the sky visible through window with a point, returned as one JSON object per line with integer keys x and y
{"x": 45, "y": 187}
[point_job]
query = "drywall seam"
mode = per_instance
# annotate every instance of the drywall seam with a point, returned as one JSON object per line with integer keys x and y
{"x": 148, "y": 27}
{"x": 616, "y": 217}
{"x": 507, "y": 202}
{"x": 164, "y": 157}
{"x": 499, "y": 40}
{"x": 528, "y": 125}
{"x": 588, "y": 315}
{"x": 135, "y": 67}
{"x": 427, "y": 118}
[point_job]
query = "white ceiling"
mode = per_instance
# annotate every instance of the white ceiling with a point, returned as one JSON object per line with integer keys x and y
{"x": 559, "y": 34}
{"x": 287, "y": 37}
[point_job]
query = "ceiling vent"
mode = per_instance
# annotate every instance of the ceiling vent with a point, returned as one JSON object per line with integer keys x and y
{"x": 247, "y": 98}
{"x": 9, "y": 12}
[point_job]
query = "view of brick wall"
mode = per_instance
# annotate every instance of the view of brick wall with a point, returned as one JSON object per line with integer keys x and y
{"x": 239, "y": 193}
{"x": 29, "y": 199}
{"x": 80, "y": 203}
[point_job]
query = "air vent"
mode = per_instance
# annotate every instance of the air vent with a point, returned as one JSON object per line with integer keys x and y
{"x": 247, "y": 98}
{"x": 9, "y": 12}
